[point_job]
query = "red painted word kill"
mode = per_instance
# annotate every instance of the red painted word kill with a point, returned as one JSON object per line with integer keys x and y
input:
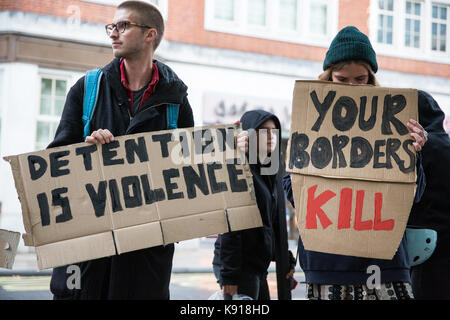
{"x": 314, "y": 211}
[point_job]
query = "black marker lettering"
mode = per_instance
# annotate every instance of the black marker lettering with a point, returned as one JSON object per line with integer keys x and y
{"x": 322, "y": 108}
{"x": 392, "y": 106}
{"x": 57, "y": 200}
{"x": 135, "y": 199}
{"x": 139, "y": 148}
{"x": 163, "y": 139}
{"x": 56, "y": 164}
{"x": 360, "y": 153}
{"x": 86, "y": 152}
{"x": 170, "y": 187}
{"x": 344, "y": 122}
{"x": 216, "y": 187}
{"x": 339, "y": 142}
{"x": 108, "y": 154}
{"x": 236, "y": 185}
{"x": 98, "y": 198}
{"x": 32, "y": 162}
{"x": 193, "y": 179}
{"x": 321, "y": 153}
{"x": 299, "y": 158}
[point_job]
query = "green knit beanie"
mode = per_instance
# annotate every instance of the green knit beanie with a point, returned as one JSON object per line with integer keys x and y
{"x": 350, "y": 44}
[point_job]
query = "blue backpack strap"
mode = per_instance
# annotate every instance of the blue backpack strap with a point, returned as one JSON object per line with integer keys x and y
{"x": 91, "y": 87}
{"x": 172, "y": 116}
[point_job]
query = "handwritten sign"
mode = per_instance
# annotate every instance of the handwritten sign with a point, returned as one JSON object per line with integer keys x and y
{"x": 353, "y": 166}
{"x": 147, "y": 189}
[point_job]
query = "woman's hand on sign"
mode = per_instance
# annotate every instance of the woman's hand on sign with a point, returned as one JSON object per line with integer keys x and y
{"x": 418, "y": 133}
{"x": 229, "y": 289}
{"x": 100, "y": 136}
{"x": 242, "y": 141}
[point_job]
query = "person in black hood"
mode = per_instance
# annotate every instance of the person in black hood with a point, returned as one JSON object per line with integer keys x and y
{"x": 241, "y": 258}
{"x": 431, "y": 279}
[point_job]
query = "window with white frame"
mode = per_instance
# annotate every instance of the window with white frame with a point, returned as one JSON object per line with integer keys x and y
{"x": 256, "y": 13}
{"x": 413, "y": 11}
{"x": 415, "y": 29}
{"x": 53, "y": 92}
{"x": 385, "y": 21}
{"x": 439, "y": 22}
{"x": 224, "y": 10}
{"x": 300, "y": 21}
{"x": 318, "y": 17}
{"x": 288, "y": 15}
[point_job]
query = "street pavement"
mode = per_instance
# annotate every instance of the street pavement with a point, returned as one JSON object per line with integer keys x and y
{"x": 192, "y": 277}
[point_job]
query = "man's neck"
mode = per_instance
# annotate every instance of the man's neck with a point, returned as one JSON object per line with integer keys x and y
{"x": 138, "y": 72}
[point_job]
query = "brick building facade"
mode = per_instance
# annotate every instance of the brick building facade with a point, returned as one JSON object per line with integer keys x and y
{"x": 234, "y": 55}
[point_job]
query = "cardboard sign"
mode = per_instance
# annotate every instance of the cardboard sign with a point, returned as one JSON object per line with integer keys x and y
{"x": 353, "y": 167}
{"x": 356, "y": 132}
{"x": 84, "y": 201}
{"x": 351, "y": 217}
{"x": 9, "y": 241}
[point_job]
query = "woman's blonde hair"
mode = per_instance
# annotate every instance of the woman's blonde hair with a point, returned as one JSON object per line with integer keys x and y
{"x": 327, "y": 74}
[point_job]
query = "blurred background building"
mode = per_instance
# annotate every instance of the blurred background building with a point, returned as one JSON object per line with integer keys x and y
{"x": 235, "y": 55}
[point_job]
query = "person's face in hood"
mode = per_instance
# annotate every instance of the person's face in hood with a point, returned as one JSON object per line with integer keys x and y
{"x": 267, "y": 139}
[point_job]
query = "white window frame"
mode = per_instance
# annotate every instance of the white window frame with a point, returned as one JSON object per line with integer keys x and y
{"x": 272, "y": 30}
{"x": 49, "y": 118}
{"x": 163, "y": 4}
{"x": 398, "y": 48}
{"x": 439, "y": 21}
{"x": 422, "y": 20}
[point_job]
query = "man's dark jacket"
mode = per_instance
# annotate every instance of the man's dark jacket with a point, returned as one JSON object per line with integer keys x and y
{"x": 142, "y": 274}
{"x": 252, "y": 250}
{"x": 433, "y": 210}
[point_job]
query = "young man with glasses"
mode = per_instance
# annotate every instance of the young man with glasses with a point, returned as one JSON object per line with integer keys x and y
{"x": 134, "y": 93}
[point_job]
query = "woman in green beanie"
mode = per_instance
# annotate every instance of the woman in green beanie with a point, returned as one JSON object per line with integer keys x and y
{"x": 352, "y": 60}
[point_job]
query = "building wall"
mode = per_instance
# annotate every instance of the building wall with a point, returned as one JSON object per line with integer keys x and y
{"x": 186, "y": 21}
{"x": 225, "y": 72}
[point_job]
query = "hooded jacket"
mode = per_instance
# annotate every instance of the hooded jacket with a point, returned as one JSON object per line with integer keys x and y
{"x": 142, "y": 274}
{"x": 252, "y": 250}
{"x": 433, "y": 210}
{"x": 333, "y": 269}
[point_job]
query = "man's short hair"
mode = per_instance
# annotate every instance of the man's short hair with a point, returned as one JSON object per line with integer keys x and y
{"x": 148, "y": 14}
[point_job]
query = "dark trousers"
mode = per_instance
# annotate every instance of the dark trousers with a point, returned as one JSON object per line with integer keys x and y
{"x": 141, "y": 274}
{"x": 253, "y": 285}
{"x": 431, "y": 279}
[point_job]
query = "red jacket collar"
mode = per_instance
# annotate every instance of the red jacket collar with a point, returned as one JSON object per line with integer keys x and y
{"x": 150, "y": 89}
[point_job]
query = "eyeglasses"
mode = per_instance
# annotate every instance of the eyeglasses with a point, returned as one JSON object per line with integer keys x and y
{"x": 121, "y": 26}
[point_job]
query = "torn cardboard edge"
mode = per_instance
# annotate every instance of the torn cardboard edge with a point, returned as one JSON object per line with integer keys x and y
{"x": 149, "y": 235}
{"x": 9, "y": 241}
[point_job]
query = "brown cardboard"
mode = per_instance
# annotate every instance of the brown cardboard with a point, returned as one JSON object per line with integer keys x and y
{"x": 9, "y": 242}
{"x": 75, "y": 250}
{"x": 397, "y": 200}
{"x": 305, "y": 116}
{"x": 138, "y": 237}
{"x": 144, "y": 188}
{"x": 349, "y": 207}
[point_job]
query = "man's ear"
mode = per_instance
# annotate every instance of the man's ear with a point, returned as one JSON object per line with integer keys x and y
{"x": 151, "y": 35}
